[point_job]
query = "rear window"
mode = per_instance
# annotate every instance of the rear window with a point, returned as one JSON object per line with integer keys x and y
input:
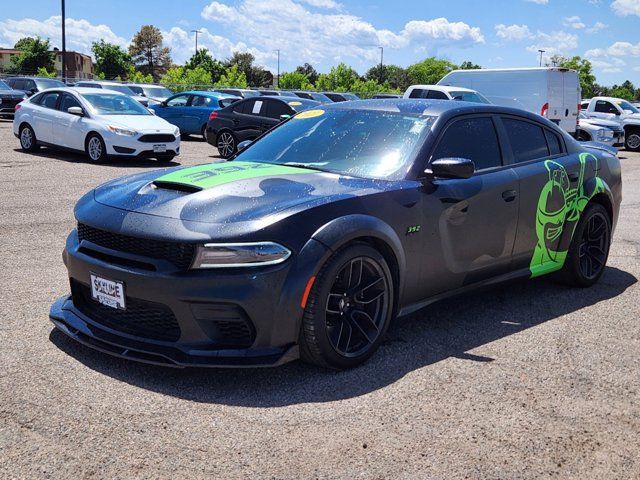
{"x": 275, "y": 109}
{"x": 555, "y": 146}
{"x": 527, "y": 140}
{"x": 471, "y": 138}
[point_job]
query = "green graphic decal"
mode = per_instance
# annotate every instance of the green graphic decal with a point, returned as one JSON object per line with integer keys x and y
{"x": 559, "y": 209}
{"x": 213, "y": 174}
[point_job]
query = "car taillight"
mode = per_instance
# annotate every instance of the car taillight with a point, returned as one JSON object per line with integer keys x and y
{"x": 545, "y": 109}
{"x": 213, "y": 115}
{"x": 18, "y": 107}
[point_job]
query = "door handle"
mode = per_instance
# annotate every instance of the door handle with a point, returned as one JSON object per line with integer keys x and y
{"x": 574, "y": 176}
{"x": 509, "y": 195}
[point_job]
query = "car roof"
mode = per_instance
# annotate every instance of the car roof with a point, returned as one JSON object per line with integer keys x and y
{"x": 206, "y": 93}
{"x": 442, "y": 88}
{"x": 88, "y": 90}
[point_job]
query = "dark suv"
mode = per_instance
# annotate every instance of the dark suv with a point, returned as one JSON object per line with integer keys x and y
{"x": 32, "y": 85}
{"x": 9, "y": 98}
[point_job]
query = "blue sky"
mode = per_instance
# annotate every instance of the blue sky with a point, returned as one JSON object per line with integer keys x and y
{"x": 498, "y": 33}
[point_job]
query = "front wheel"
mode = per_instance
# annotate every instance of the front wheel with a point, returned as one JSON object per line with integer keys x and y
{"x": 632, "y": 140}
{"x": 226, "y": 144}
{"x": 96, "y": 149}
{"x": 589, "y": 249}
{"x": 348, "y": 309}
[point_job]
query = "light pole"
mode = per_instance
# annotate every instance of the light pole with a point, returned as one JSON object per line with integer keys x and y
{"x": 196, "y": 32}
{"x": 64, "y": 47}
{"x": 278, "y": 77}
{"x": 541, "y": 52}
{"x": 381, "y": 68}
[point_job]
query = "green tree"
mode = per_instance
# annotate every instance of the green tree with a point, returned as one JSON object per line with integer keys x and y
{"x": 148, "y": 52}
{"x": 308, "y": 71}
{"x": 367, "y": 88}
{"x": 134, "y": 76}
{"x": 467, "y": 65}
{"x": 111, "y": 60}
{"x": 294, "y": 81}
{"x": 256, "y": 76}
{"x": 340, "y": 78}
{"x": 43, "y": 72}
{"x": 202, "y": 58}
{"x": 626, "y": 91}
{"x": 179, "y": 79}
{"x": 393, "y": 76}
{"x": 429, "y": 71}
{"x": 584, "y": 69}
{"x": 34, "y": 54}
{"x": 233, "y": 77}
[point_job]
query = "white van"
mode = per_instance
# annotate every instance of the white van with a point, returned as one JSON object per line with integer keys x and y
{"x": 551, "y": 92}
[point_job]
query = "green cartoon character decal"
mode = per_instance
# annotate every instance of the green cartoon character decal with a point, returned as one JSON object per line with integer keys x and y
{"x": 559, "y": 208}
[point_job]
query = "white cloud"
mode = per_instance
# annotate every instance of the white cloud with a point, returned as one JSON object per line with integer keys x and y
{"x": 513, "y": 32}
{"x": 626, "y": 7}
{"x": 597, "y": 27}
{"x": 323, "y": 3}
{"x": 574, "y": 22}
{"x": 539, "y": 2}
{"x": 80, "y": 33}
{"x": 315, "y": 36}
{"x": 617, "y": 49}
{"x": 554, "y": 43}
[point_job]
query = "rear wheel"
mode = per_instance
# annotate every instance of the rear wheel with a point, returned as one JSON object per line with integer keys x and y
{"x": 28, "y": 140}
{"x": 589, "y": 248}
{"x": 348, "y": 309}
{"x": 632, "y": 140}
{"x": 227, "y": 144}
{"x": 96, "y": 149}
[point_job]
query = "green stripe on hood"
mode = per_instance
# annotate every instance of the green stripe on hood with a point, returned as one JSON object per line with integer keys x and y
{"x": 213, "y": 174}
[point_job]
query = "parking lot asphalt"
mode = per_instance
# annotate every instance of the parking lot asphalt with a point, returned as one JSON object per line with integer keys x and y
{"x": 524, "y": 380}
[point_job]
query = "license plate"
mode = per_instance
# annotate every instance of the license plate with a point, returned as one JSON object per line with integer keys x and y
{"x": 107, "y": 292}
{"x": 159, "y": 148}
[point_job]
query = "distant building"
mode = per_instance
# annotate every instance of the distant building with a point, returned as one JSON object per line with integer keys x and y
{"x": 79, "y": 65}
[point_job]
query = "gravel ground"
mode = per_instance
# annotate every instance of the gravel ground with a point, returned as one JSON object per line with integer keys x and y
{"x": 523, "y": 381}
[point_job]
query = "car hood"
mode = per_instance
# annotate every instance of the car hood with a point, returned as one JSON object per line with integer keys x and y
{"x": 599, "y": 122}
{"x": 225, "y": 193}
{"x": 11, "y": 94}
{"x": 140, "y": 123}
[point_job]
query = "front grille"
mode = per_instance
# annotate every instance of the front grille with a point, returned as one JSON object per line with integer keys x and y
{"x": 226, "y": 324}
{"x": 141, "y": 318}
{"x": 157, "y": 138}
{"x": 179, "y": 254}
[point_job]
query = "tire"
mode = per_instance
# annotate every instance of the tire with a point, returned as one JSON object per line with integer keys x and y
{"x": 203, "y": 132}
{"x": 96, "y": 149}
{"x": 28, "y": 140}
{"x": 348, "y": 309}
{"x": 632, "y": 140}
{"x": 589, "y": 249}
{"x": 165, "y": 158}
{"x": 227, "y": 144}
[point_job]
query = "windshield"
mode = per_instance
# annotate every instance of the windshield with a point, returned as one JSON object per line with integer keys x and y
{"x": 44, "y": 83}
{"x": 627, "y": 107}
{"x": 157, "y": 92}
{"x": 358, "y": 143}
{"x": 114, "y": 104}
{"x": 468, "y": 97}
{"x": 120, "y": 88}
{"x": 4, "y": 86}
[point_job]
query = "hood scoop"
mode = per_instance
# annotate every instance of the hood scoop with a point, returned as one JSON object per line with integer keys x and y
{"x": 176, "y": 186}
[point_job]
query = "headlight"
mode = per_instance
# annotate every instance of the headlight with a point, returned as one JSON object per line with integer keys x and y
{"x": 121, "y": 131}
{"x": 605, "y": 134}
{"x": 231, "y": 255}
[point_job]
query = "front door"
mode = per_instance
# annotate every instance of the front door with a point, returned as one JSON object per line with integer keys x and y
{"x": 475, "y": 219}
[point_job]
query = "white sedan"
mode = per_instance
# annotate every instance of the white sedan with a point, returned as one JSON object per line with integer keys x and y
{"x": 101, "y": 123}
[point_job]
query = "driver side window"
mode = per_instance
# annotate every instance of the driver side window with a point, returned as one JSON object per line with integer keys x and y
{"x": 471, "y": 138}
{"x": 178, "y": 101}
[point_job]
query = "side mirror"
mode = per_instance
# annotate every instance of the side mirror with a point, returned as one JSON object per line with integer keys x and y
{"x": 243, "y": 145}
{"x": 75, "y": 111}
{"x": 33, "y": 91}
{"x": 163, "y": 104}
{"x": 450, "y": 168}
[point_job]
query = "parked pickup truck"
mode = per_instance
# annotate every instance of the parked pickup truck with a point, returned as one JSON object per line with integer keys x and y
{"x": 618, "y": 110}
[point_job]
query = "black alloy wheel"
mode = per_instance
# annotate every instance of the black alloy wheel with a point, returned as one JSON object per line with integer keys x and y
{"x": 226, "y": 144}
{"x": 348, "y": 310}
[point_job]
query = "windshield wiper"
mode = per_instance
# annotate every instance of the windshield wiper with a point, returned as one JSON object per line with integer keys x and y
{"x": 303, "y": 165}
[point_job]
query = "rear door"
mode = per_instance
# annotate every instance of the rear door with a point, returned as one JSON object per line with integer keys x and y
{"x": 476, "y": 217}
{"x": 555, "y": 97}
{"x": 547, "y": 180}
{"x": 44, "y": 116}
{"x": 571, "y": 98}
{"x": 247, "y": 124}
{"x": 199, "y": 110}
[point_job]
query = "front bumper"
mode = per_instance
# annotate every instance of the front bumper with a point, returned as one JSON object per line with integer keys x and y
{"x": 125, "y": 146}
{"x": 197, "y": 301}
